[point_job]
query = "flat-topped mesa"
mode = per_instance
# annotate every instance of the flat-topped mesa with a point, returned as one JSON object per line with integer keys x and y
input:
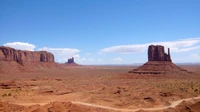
{"x": 157, "y": 53}
{"x": 24, "y": 57}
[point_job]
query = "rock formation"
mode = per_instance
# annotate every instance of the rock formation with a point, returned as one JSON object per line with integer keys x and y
{"x": 157, "y": 53}
{"x": 71, "y": 62}
{"x": 24, "y": 57}
{"x": 159, "y": 62}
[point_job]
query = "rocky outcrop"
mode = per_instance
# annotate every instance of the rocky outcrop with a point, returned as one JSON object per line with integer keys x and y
{"x": 159, "y": 62}
{"x": 71, "y": 60}
{"x": 158, "y": 67}
{"x": 25, "y": 57}
{"x": 157, "y": 53}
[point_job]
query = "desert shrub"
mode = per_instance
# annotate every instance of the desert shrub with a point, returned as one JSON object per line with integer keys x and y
{"x": 17, "y": 90}
{"x": 4, "y": 95}
{"x": 192, "y": 87}
{"x": 9, "y": 94}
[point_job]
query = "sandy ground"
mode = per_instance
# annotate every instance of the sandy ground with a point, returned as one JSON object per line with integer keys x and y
{"x": 76, "y": 89}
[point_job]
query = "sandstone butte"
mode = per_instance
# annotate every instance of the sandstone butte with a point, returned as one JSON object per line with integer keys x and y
{"x": 157, "y": 53}
{"x": 26, "y": 58}
{"x": 159, "y": 62}
{"x": 71, "y": 62}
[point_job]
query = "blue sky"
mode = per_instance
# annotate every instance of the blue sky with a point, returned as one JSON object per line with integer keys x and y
{"x": 102, "y": 31}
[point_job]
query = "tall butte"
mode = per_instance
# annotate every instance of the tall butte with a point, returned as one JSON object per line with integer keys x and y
{"x": 71, "y": 62}
{"x": 159, "y": 62}
{"x": 157, "y": 53}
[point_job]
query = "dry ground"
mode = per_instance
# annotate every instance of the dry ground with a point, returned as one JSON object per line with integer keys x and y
{"x": 110, "y": 86}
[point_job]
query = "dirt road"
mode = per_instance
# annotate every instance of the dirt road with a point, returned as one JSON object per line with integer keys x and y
{"x": 173, "y": 104}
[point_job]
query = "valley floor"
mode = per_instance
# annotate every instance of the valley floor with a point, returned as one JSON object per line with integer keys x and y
{"x": 98, "y": 88}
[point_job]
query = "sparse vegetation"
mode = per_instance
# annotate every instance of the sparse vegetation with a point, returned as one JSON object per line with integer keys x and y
{"x": 9, "y": 94}
{"x": 106, "y": 86}
{"x": 6, "y": 94}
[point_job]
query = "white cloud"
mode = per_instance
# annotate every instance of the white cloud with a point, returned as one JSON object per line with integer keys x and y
{"x": 100, "y": 52}
{"x": 62, "y": 54}
{"x": 125, "y": 49}
{"x": 21, "y": 45}
{"x": 91, "y": 59}
{"x": 80, "y": 60}
{"x": 83, "y": 59}
{"x": 118, "y": 59}
{"x": 99, "y": 60}
{"x": 195, "y": 56}
{"x": 175, "y": 46}
{"x": 76, "y": 56}
{"x": 189, "y": 49}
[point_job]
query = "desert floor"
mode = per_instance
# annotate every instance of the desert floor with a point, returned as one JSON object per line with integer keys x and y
{"x": 98, "y": 89}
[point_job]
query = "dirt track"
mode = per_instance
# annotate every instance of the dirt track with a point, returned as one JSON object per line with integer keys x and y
{"x": 173, "y": 105}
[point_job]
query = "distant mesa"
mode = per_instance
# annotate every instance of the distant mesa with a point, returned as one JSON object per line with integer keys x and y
{"x": 71, "y": 62}
{"x": 24, "y": 57}
{"x": 159, "y": 62}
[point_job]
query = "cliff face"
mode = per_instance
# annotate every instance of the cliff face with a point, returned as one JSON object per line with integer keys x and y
{"x": 157, "y": 53}
{"x": 24, "y": 57}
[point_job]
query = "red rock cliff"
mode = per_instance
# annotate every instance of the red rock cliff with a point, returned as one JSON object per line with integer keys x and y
{"x": 24, "y": 57}
{"x": 157, "y": 53}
